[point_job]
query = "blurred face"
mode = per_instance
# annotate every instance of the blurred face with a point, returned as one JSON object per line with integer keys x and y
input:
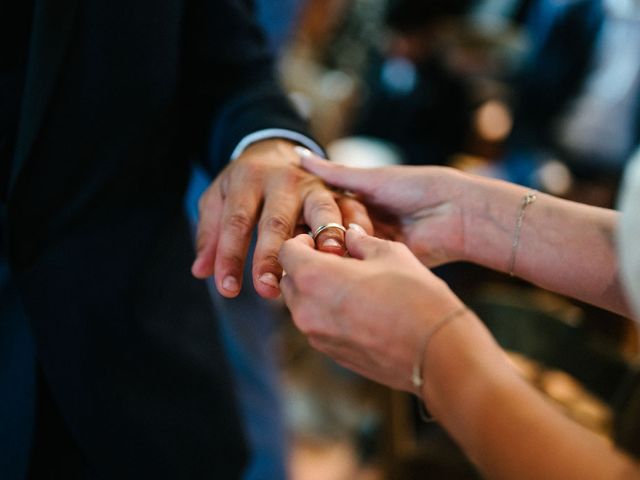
{"x": 629, "y": 235}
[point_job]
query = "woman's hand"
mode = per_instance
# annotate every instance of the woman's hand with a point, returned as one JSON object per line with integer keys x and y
{"x": 369, "y": 312}
{"x": 418, "y": 206}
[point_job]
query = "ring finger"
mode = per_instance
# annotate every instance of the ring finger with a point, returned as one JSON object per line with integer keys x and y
{"x": 321, "y": 209}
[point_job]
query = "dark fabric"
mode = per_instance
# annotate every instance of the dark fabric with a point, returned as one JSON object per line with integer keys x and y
{"x": 15, "y": 28}
{"x": 131, "y": 354}
{"x": 17, "y": 375}
{"x": 54, "y": 453}
{"x": 119, "y": 97}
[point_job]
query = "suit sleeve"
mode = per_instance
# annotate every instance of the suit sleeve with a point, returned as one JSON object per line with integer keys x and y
{"x": 230, "y": 80}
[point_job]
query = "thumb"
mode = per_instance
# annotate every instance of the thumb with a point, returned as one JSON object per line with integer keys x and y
{"x": 363, "y": 246}
{"x": 357, "y": 180}
{"x": 296, "y": 253}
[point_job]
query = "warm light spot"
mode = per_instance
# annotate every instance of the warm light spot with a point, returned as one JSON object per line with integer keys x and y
{"x": 493, "y": 121}
{"x": 554, "y": 177}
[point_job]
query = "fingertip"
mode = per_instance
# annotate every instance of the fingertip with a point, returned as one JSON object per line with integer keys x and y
{"x": 266, "y": 291}
{"x": 229, "y": 286}
{"x": 359, "y": 244}
{"x": 267, "y": 285}
{"x": 332, "y": 245}
{"x": 310, "y": 160}
{"x": 306, "y": 154}
{"x": 302, "y": 152}
{"x": 354, "y": 233}
{"x": 356, "y": 229}
{"x": 199, "y": 269}
{"x": 305, "y": 239}
{"x": 195, "y": 268}
{"x": 296, "y": 251}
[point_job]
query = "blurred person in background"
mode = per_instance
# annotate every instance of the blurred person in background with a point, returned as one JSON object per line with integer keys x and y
{"x": 384, "y": 315}
{"x": 413, "y": 98}
{"x": 106, "y": 106}
{"x": 578, "y": 94}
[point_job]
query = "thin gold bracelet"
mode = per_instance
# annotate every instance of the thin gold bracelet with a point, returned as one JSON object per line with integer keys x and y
{"x": 417, "y": 378}
{"x": 527, "y": 200}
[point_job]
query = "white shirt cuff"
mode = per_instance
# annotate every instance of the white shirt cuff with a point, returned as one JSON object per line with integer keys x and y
{"x": 268, "y": 133}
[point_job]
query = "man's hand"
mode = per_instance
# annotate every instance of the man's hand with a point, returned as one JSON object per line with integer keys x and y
{"x": 265, "y": 187}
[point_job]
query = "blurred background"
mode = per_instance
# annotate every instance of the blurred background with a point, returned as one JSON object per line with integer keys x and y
{"x": 544, "y": 93}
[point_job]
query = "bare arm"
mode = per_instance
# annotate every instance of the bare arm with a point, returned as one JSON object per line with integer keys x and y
{"x": 564, "y": 246}
{"x": 505, "y": 426}
{"x": 444, "y": 215}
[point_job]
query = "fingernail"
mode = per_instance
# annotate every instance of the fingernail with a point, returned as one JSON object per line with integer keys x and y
{"x": 230, "y": 284}
{"x": 303, "y": 152}
{"x": 269, "y": 279}
{"x": 357, "y": 228}
{"x": 331, "y": 242}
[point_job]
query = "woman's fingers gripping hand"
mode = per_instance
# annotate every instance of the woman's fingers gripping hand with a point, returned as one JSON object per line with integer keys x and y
{"x": 423, "y": 207}
{"x": 363, "y": 181}
{"x": 366, "y": 312}
{"x": 304, "y": 284}
{"x": 321, "y": 210}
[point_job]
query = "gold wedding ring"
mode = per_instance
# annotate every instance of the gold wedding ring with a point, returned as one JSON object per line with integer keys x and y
{"x": 326, "y": 226}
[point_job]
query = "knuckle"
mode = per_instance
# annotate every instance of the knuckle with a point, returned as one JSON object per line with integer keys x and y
{"x": 270, "y": 260}
{"x": 308, "y": 328}
{"x": 239, "y": 222}
{"x": 400, "y": 248}
{"x": 323, "y": 206}
{"x": 233, "y": 262}
{"x": 293, "y": 176}
{"x": 301, "y": 320}
{"x": 252, "y": 169}
{"x": 313, "y": 341}
{"x": 316, "y": 342}
{"x": 278, "y": 224}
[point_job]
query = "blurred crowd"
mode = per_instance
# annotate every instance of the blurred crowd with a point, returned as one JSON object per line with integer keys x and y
{"x": 543, "y": 93}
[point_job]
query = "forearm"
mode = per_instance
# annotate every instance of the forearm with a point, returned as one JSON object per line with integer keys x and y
{"x": 506, "y": 427}
{"x": 563, "y": 246}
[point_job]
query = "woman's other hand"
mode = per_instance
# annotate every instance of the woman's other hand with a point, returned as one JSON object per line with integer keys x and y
{"x": 418, "y": 206}
{"x": 369, "y": 312}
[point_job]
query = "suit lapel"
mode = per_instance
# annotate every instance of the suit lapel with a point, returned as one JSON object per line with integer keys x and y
{"x": 52, "y": 28}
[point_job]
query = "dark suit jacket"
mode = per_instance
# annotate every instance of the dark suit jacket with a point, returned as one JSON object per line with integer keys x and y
{"x": 120, "y": 97}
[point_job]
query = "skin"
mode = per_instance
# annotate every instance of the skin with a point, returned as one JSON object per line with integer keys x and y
{"x": 444, "y": 215}
{"x": 264, "y": 189}
{"x": 372, "y": 311}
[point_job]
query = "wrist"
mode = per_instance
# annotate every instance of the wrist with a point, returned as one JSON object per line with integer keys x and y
{"x": 459, "y": 363}
{"x": 490, "y": 214}
{"x": 272, "y": 145}
{"x": 443, "y": 239}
